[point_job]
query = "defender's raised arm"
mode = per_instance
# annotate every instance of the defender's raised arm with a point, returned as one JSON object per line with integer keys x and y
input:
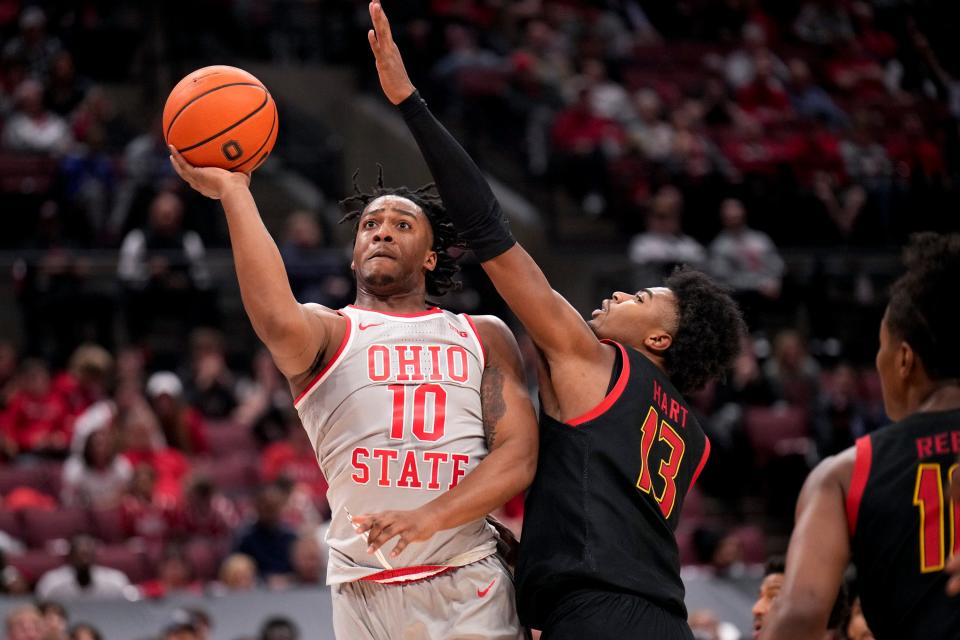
{"x": 555, "y": 326}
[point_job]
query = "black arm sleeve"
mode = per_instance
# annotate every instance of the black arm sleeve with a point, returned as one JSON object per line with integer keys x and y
{"x": 469, "y": 201}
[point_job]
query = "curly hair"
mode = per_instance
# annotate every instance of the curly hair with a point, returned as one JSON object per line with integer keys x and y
{"x": 709, "y": 330}
{"x": 445, "y": 236}
{"x": 924, "y": 310}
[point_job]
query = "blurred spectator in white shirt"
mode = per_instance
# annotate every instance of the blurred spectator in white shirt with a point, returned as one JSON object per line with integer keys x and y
{"x": 32, "y": 128}
{"x": 744, "y": 259}
{"x": 664, "y": 245}
{"x": 81, "y": 577}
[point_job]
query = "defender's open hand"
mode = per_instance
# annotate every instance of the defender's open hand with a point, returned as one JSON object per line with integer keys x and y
{"x": 393, "y": 76}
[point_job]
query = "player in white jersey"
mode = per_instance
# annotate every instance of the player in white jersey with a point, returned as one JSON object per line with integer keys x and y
{"x": 418, "y": 416}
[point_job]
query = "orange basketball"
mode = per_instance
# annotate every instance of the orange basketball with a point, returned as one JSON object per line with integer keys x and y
{"x": 221, "y": 117}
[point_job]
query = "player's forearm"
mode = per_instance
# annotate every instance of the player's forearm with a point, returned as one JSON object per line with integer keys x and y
{"x": 504, "y": 473}
{"x": 264, "y": 287}
{"x": 795, "y": 623}
{"x": 469, "y": 201}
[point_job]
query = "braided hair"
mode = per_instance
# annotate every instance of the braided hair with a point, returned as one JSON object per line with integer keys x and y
{"x": 445, "y": 236}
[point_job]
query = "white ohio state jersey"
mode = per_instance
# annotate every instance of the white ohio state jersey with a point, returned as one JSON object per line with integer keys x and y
{"x": 395, "y": 420}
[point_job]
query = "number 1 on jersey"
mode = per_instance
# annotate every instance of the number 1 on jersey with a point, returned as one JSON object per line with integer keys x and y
{"x": 928, "y": 497}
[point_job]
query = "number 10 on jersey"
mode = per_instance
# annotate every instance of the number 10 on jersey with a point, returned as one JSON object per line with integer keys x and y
{"x": 425, "y": 396}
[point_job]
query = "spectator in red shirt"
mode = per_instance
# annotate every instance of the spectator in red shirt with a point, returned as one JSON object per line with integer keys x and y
{"x": 584, "y": 143}
{"x": 141, "y": 514}
{"x": 751, "y": 151}
{"x": 855, "y": 72}
{"x": 205, "y": 511}
{"x": 182, "y": 425}
{"x": 764, "y": 97}
{"x": 913, "y": 153}
{"x": 144, "y": 444}
{"x": 295, "y": 459}
{"x": 36, "y": 419}
{"x": 85, "y": 380}
{"x": 877, "y": 43}
{"x": 174, "y": 573}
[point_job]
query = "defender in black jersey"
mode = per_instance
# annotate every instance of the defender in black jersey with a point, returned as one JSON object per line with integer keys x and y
{"x": 885, "y": 503}
{"x": 620, "y": 448}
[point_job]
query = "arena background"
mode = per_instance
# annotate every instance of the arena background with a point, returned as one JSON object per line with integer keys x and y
{"x": 621, "y": 137}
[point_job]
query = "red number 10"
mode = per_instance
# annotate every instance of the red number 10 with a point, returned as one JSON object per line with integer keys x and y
{"x": 419, "y": 426}
{"x": 928, "y": 497}
{"x": 669, "y": 468}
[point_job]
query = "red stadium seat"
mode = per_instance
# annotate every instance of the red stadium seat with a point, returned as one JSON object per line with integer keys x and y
{"x": 11, "y": 477}
{"x": 769, "y": 428}
{"x": 33, "y": 564}
{"x": 54, "y": 478}
{"x": 26, "y": 173}
{"x": 205, "y": 556}
{"x": 11, "y": 524}
{"x": 232, "y": 474}
{"x": 228, "y": 438}
{"x": 107, "y": 524}
{"x": 42, "y": 526}
{"x": 130, "y": 560}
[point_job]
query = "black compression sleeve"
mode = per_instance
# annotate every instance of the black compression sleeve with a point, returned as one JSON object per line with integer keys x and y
{"x": 469, "y": 201}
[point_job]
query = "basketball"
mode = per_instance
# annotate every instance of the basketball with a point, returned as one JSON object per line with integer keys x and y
{"x": 221, "y": 116}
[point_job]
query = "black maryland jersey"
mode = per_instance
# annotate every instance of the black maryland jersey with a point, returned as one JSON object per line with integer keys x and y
{"x": 604, "y": 504}
{"x": 904, "y": 526}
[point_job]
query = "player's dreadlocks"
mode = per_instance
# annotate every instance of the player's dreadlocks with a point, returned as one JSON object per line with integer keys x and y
{"x": 709, "y": 331}
{"x": 445, "y": 237}
{"x": 924, "y": 309}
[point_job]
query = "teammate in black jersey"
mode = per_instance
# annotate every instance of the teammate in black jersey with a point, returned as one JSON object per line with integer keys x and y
{"x": 885, "y": 503}
{"x": 620, "y": 447}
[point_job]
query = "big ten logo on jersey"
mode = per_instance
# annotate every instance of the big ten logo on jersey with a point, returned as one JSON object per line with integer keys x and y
{"x": 656, "y": 429}
{"x": 418, "y": 415}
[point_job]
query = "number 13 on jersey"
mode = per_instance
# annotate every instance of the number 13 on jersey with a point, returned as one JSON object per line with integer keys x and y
{"x": 669, "y": 466}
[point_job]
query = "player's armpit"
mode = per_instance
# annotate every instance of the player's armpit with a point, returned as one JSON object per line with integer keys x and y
{"x": 818, "y": 555}
{"x": 557, "y": 329}
{"x": 299, "y": 346}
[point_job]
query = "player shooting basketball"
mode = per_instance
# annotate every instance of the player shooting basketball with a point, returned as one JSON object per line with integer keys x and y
{"x": 407, "y": 407}
{"x": 620, "y": 447}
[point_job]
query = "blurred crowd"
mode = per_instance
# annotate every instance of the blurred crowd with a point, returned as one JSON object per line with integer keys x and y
{"x": 835, "y": 121}
{"x": 198, "y": 480}
{"x": 50, "y": 620}
{"x": 718, "y": 133}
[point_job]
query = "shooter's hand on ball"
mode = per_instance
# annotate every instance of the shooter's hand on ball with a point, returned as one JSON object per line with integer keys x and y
{"x": 210, "y": 181}
{"x": 415, "y": 525}
{"x": 393, "y": 76}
